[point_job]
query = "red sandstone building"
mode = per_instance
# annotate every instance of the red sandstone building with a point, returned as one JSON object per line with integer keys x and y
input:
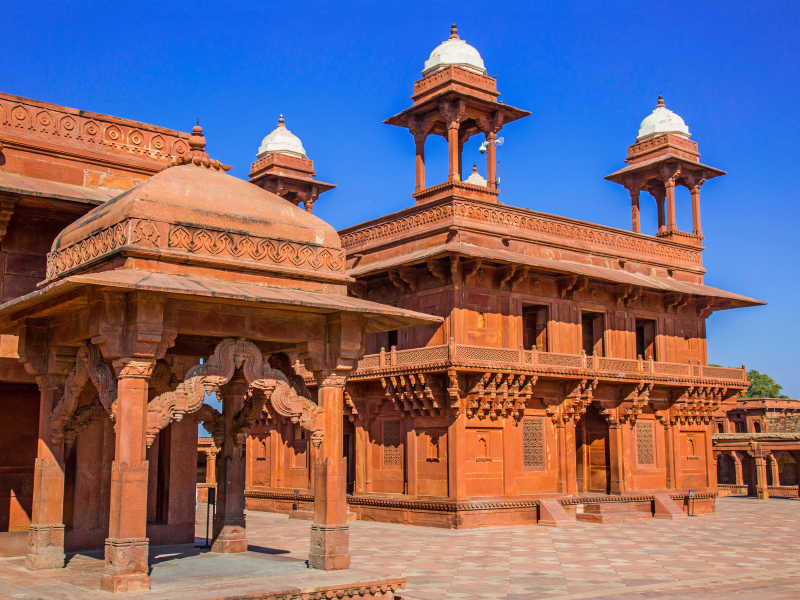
{"x": 757, "y": 447}
{"x": 501, "y": 365}
{"x": 571, "y": 361}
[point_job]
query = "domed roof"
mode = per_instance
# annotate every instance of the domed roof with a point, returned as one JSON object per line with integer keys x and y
{"x": 194, "y": 213}
{"x": 475, "y": 178}
{"x": 454, "y": 51}
{"x": 662, "y": 120}
{"x": 281, "y": 141}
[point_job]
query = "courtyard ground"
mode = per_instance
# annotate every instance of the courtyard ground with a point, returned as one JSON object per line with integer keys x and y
{"x": 749, "y": 549}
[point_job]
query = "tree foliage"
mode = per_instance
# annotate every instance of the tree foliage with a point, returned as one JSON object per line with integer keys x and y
{"x": 763, "y": 386}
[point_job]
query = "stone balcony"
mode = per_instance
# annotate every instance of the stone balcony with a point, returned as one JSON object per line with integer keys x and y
{"x": 479, "y": 358}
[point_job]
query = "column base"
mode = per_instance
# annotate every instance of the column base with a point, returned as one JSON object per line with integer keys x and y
{"x": 330, "y": 548}
{"x": 230, "y": 535}
{"x": 126, "y": 568}
{"x": 45, "y": 547}
{"x": 762, "y": 494}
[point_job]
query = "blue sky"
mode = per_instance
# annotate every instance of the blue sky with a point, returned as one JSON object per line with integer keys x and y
{"x": 588, "y": 71}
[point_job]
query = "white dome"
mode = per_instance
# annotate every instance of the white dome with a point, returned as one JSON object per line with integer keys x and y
{"x": 475, "y": 178}
{"x": 454, "y": 51}
{"x": 281, "y": 141}
{"x": 662, "y": 120}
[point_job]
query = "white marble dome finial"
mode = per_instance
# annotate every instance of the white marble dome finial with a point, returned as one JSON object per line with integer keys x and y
{"x": 662, "y": 120}
{"x": 475, "y": 177}
{"x": 454, "y": 51}
{"x": 281, "y": 141}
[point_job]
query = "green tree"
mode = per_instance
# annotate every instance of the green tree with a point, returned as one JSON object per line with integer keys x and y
{"x": 763, "y": 386}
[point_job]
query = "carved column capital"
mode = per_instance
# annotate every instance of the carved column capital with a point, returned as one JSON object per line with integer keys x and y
{"x": 335, "y": 379}
{"x": 7, "y": 204}
{"x": 134, "y": 368}
{"x": 50, "y": 382}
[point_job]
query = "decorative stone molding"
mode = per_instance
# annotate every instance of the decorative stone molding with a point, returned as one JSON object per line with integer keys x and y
{"x": 414, "y": 394}
{"x": 279, "y": 252}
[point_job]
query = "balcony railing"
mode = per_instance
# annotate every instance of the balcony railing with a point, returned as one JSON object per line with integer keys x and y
{"x": 534, "y": 359}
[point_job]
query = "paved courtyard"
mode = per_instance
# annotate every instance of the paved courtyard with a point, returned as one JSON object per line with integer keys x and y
{"x": 749, "y": 549}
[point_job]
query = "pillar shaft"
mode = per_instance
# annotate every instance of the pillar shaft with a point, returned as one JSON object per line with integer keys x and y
{"x": 617, "y": 484}
{"x": 671, "y": 224}
{"x": 211, "y": 467}
{"x": 420, "y": 162}
{"x": 46, "y": 531}
{"x": 453, "y": 152}
{"x": 697, "y": 229}
{"x": 491, "y": 161}
{"x": 127, "y": 547}
{"x": 456, "y": 458}
{"x": 669, "y": 448}
{"x": 330, "y": 535}
{"x": 660, "y": 209}
{"x": 737, "y": 467}
{"x": 636, "y": 226}
{"x": 776, "y": 474}
{"x": 229, "y": 532}
{"x": 761, "y": 478}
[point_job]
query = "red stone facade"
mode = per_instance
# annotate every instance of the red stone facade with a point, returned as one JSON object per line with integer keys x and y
{"x": 570, "y": 364}
{"x": 757, "y": 447}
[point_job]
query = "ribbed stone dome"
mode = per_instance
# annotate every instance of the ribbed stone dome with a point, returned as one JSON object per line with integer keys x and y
{"x": 281, "y": 141}
{"x": 454, "y": 51}
{"x": 662, "y": 120}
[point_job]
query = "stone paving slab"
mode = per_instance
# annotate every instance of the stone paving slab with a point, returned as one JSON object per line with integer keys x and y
{"x": 749, "y": 549}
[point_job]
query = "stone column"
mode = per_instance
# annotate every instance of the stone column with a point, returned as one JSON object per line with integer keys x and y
{"x": 571, "y": 448}
{"x": 669, "y": 185}
{"x": 420, "y": 162}
{"x": 411, "y": 456}
{"x": 617, "y": 484}
{"x": 737, "y": 467}
{"x": 367, "y": 456}
{"x": 360, "y": 457}
{"x": 456, "y": 458}
{"x": 229, "y": 533}
{"x": 660, "y": 209}
{"x": 46, "y": 531}
{"x": 669, "y": 450}
{"x": 776, "y": 474}
{"x": 561, "y": 440}
{"x": 126, "y": 550}
{"x": 211, "y": 466}
{"x": 697, "y": 230}
{"x": 330, "y": 534}
{"x": 453, "y": 151}
{"x": 761, "y": 476}
{"x": 491, "y": 161}
{"x": 636, "y": 226}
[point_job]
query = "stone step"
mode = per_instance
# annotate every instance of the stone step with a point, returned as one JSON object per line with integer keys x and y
{"x": 613, "y": 512}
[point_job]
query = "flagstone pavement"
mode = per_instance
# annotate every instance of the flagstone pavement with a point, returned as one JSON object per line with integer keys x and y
{"x": 749, "y": 549}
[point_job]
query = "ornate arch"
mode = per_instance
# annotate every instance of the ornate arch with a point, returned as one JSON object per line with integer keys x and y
{"x": 89, "y": 364}
{"x": 264, "y": 383}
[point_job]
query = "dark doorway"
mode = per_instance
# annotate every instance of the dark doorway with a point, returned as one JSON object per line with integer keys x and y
{"x": 646, "y": 339}
{"x": 592, "y": 329}
{"x": 593, "y": 458}
{"x": 534, "y": 322}
{"x": 392, "y": 339}
{"x": 348, "y": 451}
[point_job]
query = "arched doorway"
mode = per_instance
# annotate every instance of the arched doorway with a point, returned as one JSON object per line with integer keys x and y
{"x": 592, "y": 455}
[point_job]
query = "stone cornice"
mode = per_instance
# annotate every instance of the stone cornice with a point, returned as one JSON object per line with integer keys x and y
{"x": 524, "y": 224}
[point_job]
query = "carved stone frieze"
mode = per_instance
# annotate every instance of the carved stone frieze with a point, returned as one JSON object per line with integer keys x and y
{"x": 219, "y": 242}
{"x": 496, "y": 395}
{"x": 416, "y": 394}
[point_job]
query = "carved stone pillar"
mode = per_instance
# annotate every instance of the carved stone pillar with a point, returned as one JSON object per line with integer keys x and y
{"x": 561, "y": 440}
{"x": 636, "y": 225}
{"x": 737, "y": 467}
{"x": 420, "y": 162}
{"x": 761, "y": 476}
{"x": 126, "y": 550}
{"x": 617, "y": 484}
{"x": 491, "y": 161}
{"x": 669, "y": 450}
{"x": 46, "y": 531}
{"x": 330, "y": 534}
{"x": 229, "y": 533}
{"x": 456, "y": 458}
{"x": 453, "y": 152}
{"x": 697, "y": 229}
{"x": 775, "y": 472}
{"x": 669, "y": 185}
{"x": 211, "y": 466}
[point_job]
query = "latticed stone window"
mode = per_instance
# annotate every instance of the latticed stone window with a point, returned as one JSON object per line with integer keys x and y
{"x": 533, "y": 442}
{"x": 392, "y": 444}
{"x": 645, "y": 450}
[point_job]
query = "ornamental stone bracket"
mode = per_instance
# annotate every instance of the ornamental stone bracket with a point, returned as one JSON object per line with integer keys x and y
{"x": 500, "y": 395}
{"x": 263, "y": 383}
{"x": 415, "y": 394}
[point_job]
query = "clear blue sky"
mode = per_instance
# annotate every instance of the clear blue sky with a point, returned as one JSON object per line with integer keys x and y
{"x": 588, "y": 71}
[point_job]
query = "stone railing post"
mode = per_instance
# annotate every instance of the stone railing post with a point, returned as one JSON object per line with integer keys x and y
{"x": 393, "y": 356}
{"x": 382, "y": 358}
